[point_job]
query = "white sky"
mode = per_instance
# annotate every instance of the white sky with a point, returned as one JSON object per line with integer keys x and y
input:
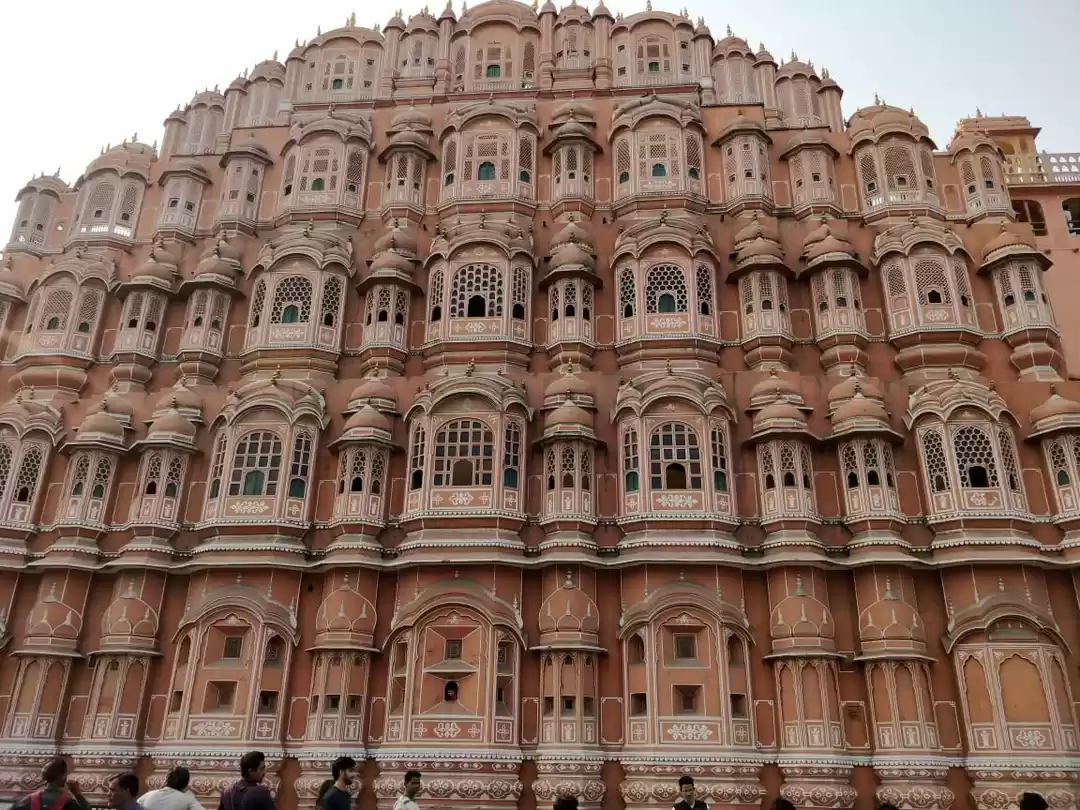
{"x": 78, "y": 75}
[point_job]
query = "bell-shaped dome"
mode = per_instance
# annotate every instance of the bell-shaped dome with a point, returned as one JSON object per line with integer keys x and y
{"x": 345, "y": 620}
{"x": 780, "y": 416}
{"x": 172, "y": 425}
{"x": 569, "y": 421}
{"x": 802, "y": 621}
{"x": 159, "y": 270}
{"x": 128, "y": 157}
{"x": 763, "y": 54}
{"x": 102, "y": 426}
{"x": 1009, "y": 244}
{"x": 397, "y": 238}
{"x": 571, "y": 233}
{"x": 411, "y": 117}
{"x": 861, "y": 414}
{"x": 181, "y": 399}
{"x": 10, "y": 285}
{"x": 847, "y": 388}
{"x": 880, "y": 119}
{"x": 891, "y": 628}
{"x": 773, "y": 388}
{"x": 823, "y": 247}
{"x": 732, "y": 44}
{"x": 1057, "y": 414}
{"x": 52, "y": 624}
{"x": 375, "y": 392}
{"x": 569, "y": 387}
{"x": 796, "y": 67}
{"x": 367, "y": 418}
{"x": 569, "y": 619}
{"x": 129, "y": 623}
{"x": 219, "y": 264}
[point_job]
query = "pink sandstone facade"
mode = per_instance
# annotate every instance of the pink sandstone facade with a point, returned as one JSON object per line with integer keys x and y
{"x": 554, "y": 402}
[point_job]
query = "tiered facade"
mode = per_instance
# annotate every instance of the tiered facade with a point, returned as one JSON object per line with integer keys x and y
{"x": 550, "y": 401}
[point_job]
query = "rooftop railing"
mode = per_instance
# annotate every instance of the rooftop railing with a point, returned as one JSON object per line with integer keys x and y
{"x": 1043, "y": 168}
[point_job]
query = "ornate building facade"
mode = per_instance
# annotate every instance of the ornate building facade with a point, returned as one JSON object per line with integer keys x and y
{"x": 551, "y": 401}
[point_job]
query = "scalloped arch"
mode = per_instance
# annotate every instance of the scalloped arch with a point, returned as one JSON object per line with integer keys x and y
{"x": 984, "y": 613}
{"x": 688, "y": 597}
{"x": 455, "y": 593}
{"x": 243, "y": 600}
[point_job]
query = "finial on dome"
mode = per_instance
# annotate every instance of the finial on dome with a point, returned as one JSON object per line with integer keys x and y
{"x": 978, "y": 113}
{"x": 318, "y": 30}
{"x": 275, "y": 376}
{"x": 648, "y": 5}
{"x": 352, "y": 20}
{"x": 913, "y": 218}
{"x": 469, "y": 369}
{"x": 877, "y": 100}
{"x": 794, "y": 56}
{"x": 730, "y": 33}
{"x": 954, "y": 375}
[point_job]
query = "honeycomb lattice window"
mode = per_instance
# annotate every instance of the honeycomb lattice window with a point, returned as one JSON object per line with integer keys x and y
{"x": 56, "y": 310}
{"x": 174, "y": 477}
{"x": 292, "y": 300}
{"x": 217, "y": 468}
{"x": 868, "y": 171}
{"x": 930, "y": 281}
{"x": 627, "y": 293}
{"x": 77, "y": 485}
{"x": 975, "y": 463}
{"x": 1008, "y": 459}
{"x": 26, "y": 483}
{"x": 719, "y": 459}
{"x": 152, "y": 478}
{"x": 519, "y": 290}
{"x": 899, "y": 168}
{"x": 256, "y": 466}
{"x": 477, "y": 292}
{"x": 330, "y": 305}
{"x": 674, "y": 458}
{"x": 7, "y": 454}
{"x": 704, "y": 289}
{"x": 665, "y": 289}
{"x": 258, "y": 301}
{"x": 935, "y": 462}
{"x": 100, "y": 202}
{"x": 436, "y": 293}
{"x": 464, "y": 454}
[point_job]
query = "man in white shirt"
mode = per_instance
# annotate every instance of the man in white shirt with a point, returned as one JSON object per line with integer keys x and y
{"x": 174, "y": 795}
{"x": 411, "y": 789}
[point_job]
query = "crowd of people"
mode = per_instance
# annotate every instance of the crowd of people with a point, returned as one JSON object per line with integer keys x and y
{"x": 60, "y": 792}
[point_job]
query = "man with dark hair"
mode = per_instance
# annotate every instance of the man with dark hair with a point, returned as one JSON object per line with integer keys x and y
{"x": 338, "y": 797}
{"x": 688, "y": 799}
{"x": 249, "y": 793}
{"x": 566, "y": 803}
{"x": 410, "y": 790}
{"x": 174, "y": 795}
{"x": 1032, "y": 801}
{"x": 58, "y": 792}
{"x": 124, "y": 792}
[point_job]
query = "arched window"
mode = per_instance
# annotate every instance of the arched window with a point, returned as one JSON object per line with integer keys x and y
{"x": 665, "y": 289}
{"x": 416, "y": 460}
{"x": 627, "y": 293}
{"x": 292, "y": 300}
{"x": 659, "y": 170}
{"x": 256, "y": 465}
{"x": 511, "y": 455}
{"x": 631, "y": 476}
{"x": 486, "y": 171}
{"x": 975, "y": 463}
{"x": 464, "y": 454}
{"x": 719, "y": 459}
{"x": 300, "y": 467}
{"x": 674, "y": 458}
{"x": 477, "y": 292}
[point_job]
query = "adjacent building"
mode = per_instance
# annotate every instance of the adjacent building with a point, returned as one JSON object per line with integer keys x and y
{"x": 555, "y": 402}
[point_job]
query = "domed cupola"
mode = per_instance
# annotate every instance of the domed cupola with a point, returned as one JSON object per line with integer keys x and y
{"x": 762, "y": 275}
{"x": 839, "y": 320}
{"x": 783, "y": 444}
{"x": 1016, "y": 267}
{"x": 146, "y": 295}
{"x": 894, "y": 161}
{"x": 571, "y": 283}
{"x": 573, "y": 147}
{"x": 981, "y": 166}
{"x": 569, "y": 444}
{"x": 1055, "y": 426}
{"x": 388, "y": 289}
{"x": 373, "y": 391}
{"x": 38, "y": 200}
{"x": 209, "y": 292}
{"x": 406, "y": 158}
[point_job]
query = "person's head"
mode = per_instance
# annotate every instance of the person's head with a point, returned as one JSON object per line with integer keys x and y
{"x": 566, "y": 803}
{"x": 323, "y": 788}
{"x": 178, "y": 778}
{"x": 1032, "y": 801}
{"x": 687, "y": 790}
{"x": 344, "y": 770}
{"x": 782, "y": 804}
{"x": 412, "y": 784}
{"x": 123, "y": 790}
{"x": 55, "y": 773}
{"x": 253, "y": 766}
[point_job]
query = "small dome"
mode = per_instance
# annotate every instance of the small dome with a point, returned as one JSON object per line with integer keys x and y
{"x": 763, "y": 54}
{"x": 601, "y": 10}
{"x": 732, "y": 44}
{"x": 1008, "y": 243}
{"x": 569, "y": 414}
{"x": 391, "y": 261}
{"x": 368, "y": 418}
{"x": 100, "y": 424}
{"x": 569, "y": 614}
{"x": 160, "y": 265}
{"x": 548, "y": 8}
{"x": 180, "y": 397}
{"x": 172, "y": 423}
{"x": 129, "y": 622}
{"x": 802, "y": 619}
{"x": 572, "y": 256}
{"x": 760, "y": 251}
{"x": 345, "y": 619}
{"x": 851, "y": 385}
{"x": 572, "y": 233}
{"x": 778, "y": 412}
{"x": 375, "y": 391}
{"x": 795, "y": 67}
{"x": 880, "y": 119}
{"x": 757, "y": 228}
{"x": 10, "y": 285}
{"x": 822, "y": 242}
{"x": 569, "y": 385}
{"x": 1055, "y": 407}
{"x": 396, "y": 238}
{"x": 860, "y": 415}
{"x": 411, "y": 118}
{"x": 572, "y": 129}
{"x": 772, "y": 388}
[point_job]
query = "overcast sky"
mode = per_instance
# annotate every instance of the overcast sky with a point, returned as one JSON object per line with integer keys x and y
{"x": 79, "y": 75}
